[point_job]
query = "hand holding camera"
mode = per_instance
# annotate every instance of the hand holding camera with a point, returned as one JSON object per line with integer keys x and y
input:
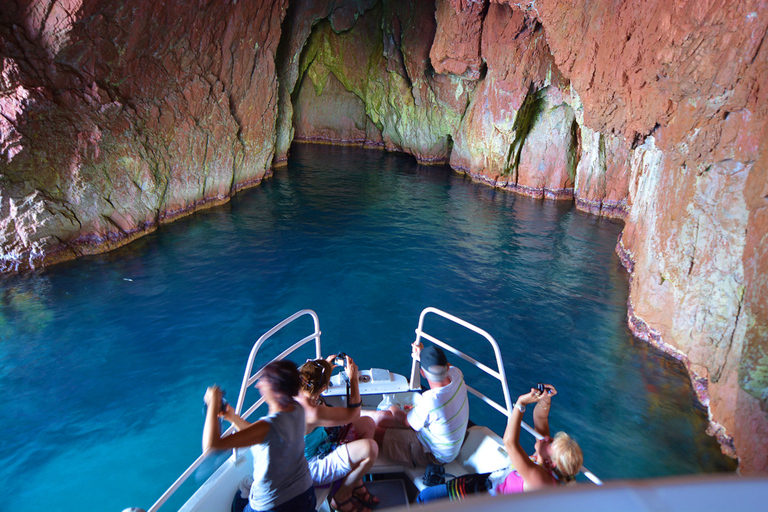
{"x": 542, "y": 393}
{"x": 346, "y": 362}
{"x": 340, "y": 359}
{"x": 545, "y": 393}
{"x": 215, "y": 394}
{"x": 545, "y": 390}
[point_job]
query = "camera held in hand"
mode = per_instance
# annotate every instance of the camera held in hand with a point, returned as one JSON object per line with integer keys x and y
{"x": 341, "y": 359}
{"x": 222, "y": 406}
{"x": 542, "y": 389}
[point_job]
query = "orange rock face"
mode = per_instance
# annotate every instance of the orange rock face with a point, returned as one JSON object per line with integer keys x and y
{"x": 689, "y": 74}
{"x": 131, "y": 114}
{"x": 117, "y": 116}
{"x": 456, "y": 47}
{"x": 519, "y": 132}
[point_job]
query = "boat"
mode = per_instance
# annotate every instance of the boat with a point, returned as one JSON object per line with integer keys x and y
{"x": 482, "y": 451}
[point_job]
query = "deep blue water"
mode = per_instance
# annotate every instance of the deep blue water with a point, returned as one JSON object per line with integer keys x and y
{"x": 104, "y": 361}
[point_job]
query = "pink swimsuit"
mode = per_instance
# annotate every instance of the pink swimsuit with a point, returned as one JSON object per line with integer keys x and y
{"x": 513, "y": 483}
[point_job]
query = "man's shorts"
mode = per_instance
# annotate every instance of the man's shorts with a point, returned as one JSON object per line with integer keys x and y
{"x": 334, "y": 466}
{"x": 402, "y": 445}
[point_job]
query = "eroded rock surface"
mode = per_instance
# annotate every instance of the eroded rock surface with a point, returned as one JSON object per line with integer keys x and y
{"x": 383, "y": 62}
{"x": 682, "y": 82}
{"x": 118, "y": 116}
{"x": 121, "y": 115}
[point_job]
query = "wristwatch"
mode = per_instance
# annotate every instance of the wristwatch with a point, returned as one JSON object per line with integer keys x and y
{"x": 520, "y": 407}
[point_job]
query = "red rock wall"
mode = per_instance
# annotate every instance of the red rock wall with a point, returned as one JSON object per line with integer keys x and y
{"x": 117, "y": 116}
{"x": 518, "y": 131}
{"x": 455, "y": 49}
{"x": 681, "y": 82}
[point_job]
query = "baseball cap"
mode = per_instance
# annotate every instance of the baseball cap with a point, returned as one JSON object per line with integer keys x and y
{"x": 434, "y": 363}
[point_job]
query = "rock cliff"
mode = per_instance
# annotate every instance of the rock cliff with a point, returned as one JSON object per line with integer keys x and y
{"x": 118, "y": 116}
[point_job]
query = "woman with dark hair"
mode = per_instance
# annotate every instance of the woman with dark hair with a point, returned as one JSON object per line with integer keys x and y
{"x": 281, "y": 479}
{"x": 339, "y": 444}
{"x": 556, "y": 461}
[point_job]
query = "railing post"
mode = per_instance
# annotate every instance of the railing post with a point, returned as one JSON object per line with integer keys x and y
{"x": 244, "y": 388}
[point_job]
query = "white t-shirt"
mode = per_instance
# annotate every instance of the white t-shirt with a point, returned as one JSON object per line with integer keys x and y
{"x": 441, "y": 417}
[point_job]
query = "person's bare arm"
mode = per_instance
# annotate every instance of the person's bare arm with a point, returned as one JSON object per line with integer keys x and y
{"x": 354, "y": 383}
{"x": 212, "y": 440}
{"x": 238, "y": 422}
{"x": 400, "y": 415}
{"x": 533, "y": 475}
{"x": 541, "y": 412}
{"x": 322, "y": 416}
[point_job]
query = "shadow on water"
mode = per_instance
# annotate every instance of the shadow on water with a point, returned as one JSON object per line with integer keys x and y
{"x": 106, "y": 358}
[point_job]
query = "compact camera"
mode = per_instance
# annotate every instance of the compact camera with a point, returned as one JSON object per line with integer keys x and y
{"x": 541, "y": 388}
{"x": 222, "y": 406}
{"x": 341, "y": 359}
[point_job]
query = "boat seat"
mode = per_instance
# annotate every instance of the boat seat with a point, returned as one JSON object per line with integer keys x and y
{"x": 482, "y": 452}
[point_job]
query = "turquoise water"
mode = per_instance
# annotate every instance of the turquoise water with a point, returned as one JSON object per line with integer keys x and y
{"x": 104, "y": 361}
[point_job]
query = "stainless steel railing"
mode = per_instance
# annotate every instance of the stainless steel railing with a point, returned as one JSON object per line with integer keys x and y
{"x": 248, "y": 379}
{"x": 498, "y": 374}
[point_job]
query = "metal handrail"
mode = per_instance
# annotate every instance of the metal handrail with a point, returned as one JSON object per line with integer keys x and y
{"x": 500, "y": 374}
{"x": 249, "y": 379}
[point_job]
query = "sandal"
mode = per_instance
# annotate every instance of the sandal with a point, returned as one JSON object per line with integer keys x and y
{"x": 353, "y": 502}
{"x": 364, "y": 496}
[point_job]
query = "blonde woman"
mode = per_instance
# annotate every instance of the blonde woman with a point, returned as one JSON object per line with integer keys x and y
{"x": 555, "y": 460}
{"x": 344, "y": 454}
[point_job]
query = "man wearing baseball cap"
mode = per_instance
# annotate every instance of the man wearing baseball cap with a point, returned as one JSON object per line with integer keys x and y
{"x": 433, "y": 431}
